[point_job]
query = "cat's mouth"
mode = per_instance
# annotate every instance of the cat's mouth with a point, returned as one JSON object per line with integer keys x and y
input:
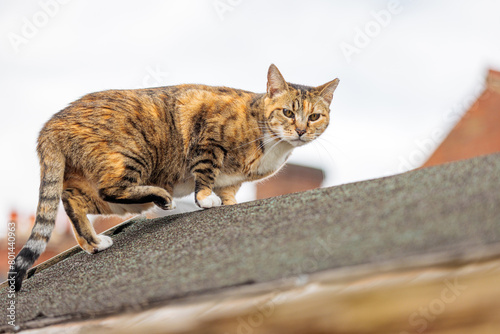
{"x": 295, "y": 141}
{"x": 298, "y": 141}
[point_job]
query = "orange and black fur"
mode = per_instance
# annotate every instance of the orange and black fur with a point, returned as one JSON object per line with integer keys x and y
{"x": 122, "y": 151}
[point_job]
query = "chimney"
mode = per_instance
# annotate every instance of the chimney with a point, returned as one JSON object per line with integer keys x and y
{"x": 493, "y": 81}
{"x": 292, "y": 178}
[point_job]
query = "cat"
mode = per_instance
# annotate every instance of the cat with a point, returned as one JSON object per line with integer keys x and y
{"x": 124, "y": 151}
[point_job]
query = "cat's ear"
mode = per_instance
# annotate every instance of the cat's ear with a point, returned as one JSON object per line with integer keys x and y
{"x": 276, "y": 84}
{"x": 326, "y": 90}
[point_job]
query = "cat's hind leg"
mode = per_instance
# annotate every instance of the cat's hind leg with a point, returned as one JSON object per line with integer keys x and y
{"x": 122, "y": 179}
{"x": 227, "y": 194}
{"x": 79, "y": 200}
{"x": 136, "y": 194}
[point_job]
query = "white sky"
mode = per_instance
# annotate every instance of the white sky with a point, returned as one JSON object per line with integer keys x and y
{"x": 421, "y": 67}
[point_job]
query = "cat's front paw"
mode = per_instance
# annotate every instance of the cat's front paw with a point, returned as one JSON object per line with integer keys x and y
{"x": 229, "y": 201}
{"x": 104, "y": 242}
{"x": 210, "y": 201}
{"x": 169, "y": 206}
{"x": 165, "y": 205}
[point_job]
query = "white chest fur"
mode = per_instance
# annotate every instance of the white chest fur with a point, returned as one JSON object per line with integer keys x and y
{"x": 224, "y": 180}
{"x": 275, "y": 155}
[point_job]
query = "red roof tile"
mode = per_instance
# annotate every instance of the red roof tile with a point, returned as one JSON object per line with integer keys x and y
{"x": 478, "y": 132}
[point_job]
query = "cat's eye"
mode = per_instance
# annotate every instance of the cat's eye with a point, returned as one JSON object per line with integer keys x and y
{"x": 288, "y": 113}
{"x": 314, "y": 117}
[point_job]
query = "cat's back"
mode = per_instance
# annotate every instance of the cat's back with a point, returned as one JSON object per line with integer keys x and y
{"x": 148, "y": 114}
{"x": 112, "y": 112}
{"x": 116, "y": 105}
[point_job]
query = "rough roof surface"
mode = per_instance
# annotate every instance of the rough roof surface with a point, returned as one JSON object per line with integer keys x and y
{"x": 445, "y": 208}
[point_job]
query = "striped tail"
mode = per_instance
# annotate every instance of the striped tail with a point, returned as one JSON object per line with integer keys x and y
{"x": 52, "y": 164}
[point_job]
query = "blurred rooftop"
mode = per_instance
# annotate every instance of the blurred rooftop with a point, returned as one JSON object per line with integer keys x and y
{"x": 478, "y": 132}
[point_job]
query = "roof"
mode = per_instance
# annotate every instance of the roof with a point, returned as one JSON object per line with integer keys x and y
{"x": 478, "y": 132}
{"x": 451, "y": 209}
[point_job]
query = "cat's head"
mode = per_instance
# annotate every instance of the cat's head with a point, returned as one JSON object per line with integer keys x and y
{"x": 294, "y": 113}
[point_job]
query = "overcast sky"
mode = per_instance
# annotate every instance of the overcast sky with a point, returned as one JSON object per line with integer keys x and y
{"x": 407, "y": 69}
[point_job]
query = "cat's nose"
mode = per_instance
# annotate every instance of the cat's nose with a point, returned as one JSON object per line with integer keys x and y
{"x": 300, "y": 132}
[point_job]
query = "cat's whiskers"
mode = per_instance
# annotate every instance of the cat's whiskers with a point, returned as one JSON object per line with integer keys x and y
{"x": 250, "y": 142}
{"x": 259, "y": 147}
{"x": 262, "y": 145}
{"x": 279, "y": 141}
{"x": 320, "y": 157}
{"x": 331, "y": 142}
{"x": 328, "y": 153}
{"x": 320, "y": 140}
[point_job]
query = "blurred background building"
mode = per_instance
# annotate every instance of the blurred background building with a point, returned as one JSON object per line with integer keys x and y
{"x": 290, "y": 179}
{"x": 478, "y": 132}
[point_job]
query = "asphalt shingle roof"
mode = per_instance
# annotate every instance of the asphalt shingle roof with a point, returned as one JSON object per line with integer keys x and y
{"x": 448, "y": 208}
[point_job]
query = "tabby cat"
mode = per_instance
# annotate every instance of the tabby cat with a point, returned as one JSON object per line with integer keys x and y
{"x": 124, "y": 151}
